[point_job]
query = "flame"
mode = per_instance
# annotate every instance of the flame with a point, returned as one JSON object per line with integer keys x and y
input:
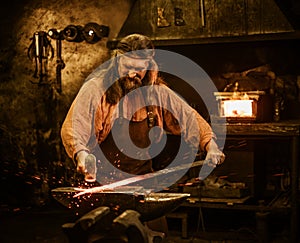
{"x": 238, "y": 108}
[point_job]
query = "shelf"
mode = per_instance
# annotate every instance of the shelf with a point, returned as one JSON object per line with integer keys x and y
{"x": 233, "y": 204}
{"x": 111, "y": 44}
{"x": 283, "y": 128}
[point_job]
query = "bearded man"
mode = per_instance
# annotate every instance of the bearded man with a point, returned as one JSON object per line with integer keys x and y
{"x": 97, "y": 107}
{"x": 122, "y": 112}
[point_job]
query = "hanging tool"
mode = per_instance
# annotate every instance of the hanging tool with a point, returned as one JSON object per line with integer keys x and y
{"x": 179, "y": 21}
{"x": 40, "y": 50}
{"x": 93, "y": 32}
{"x": 73, "y": 33}
{"x": 58, "y": 36}
{"x": 202, "y": 13}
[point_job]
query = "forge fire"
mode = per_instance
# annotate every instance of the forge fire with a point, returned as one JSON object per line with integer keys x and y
{"x": 237, "y": 108}
{"x": 240, "y": 106}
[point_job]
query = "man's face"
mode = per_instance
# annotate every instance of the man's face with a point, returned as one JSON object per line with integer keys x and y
{"x": 132, "y": 71}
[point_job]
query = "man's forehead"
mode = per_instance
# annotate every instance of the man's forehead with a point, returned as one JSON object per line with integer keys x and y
{"x": 134, "y": 59}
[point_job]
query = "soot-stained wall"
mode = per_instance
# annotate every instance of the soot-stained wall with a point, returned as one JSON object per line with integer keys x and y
{"x": 32, "y": 110}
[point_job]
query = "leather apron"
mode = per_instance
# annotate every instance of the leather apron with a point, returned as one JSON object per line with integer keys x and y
{"x": 118, "y": 160}
{"x": 138, "y": 132}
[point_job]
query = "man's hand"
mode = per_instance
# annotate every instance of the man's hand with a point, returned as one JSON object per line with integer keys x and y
{"x": 80, "y": 159}
{"x": 214, "y": 155}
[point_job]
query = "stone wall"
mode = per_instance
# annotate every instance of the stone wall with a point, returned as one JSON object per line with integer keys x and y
{"x": 32, "y": 158}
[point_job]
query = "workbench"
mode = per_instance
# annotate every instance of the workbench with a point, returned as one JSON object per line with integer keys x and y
{"x": 288, "y": 131}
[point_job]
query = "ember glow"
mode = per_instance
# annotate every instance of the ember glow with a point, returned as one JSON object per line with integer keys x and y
{"x": 112, "y": 186}
{"x": 238, "y": 108}
{"x": 238, "y": 104}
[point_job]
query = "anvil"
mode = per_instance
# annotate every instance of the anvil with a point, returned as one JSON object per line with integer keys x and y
{"x": 120, "y": 197}
{"x": 150, "y": 205}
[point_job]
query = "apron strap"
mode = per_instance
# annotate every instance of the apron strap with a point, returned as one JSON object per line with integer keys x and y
{"x": 121, "y": 112}
{"x": 150, "y": 115}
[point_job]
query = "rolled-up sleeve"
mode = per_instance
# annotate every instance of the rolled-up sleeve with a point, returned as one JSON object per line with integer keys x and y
{"x": 180, "y": 118}
{"x": 77, "y": 128}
